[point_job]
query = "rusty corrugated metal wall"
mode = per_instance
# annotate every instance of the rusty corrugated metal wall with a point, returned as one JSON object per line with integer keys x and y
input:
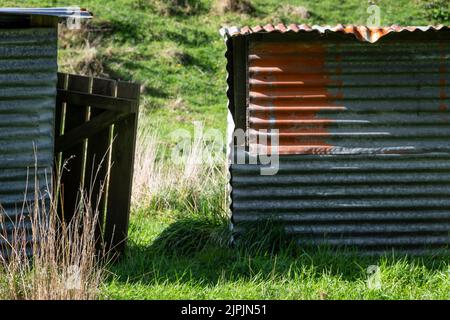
{"x": 28, "y": 71}
{"x": 364, "y": 138}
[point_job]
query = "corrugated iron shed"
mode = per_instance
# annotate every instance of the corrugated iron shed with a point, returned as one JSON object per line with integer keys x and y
{"x": 28, "y": 76}
{"x": 363, "y": 128}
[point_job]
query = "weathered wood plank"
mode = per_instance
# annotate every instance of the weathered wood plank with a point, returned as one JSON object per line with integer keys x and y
{"x": 98, "y": 156}
{"x": 60, "y": 105}
{"x": 121, "y": 177}
{"x": 72, "y": 178}
{"x": 58, "y": 131}
{"x": 87, "y": 129}
{"x": 97, "y": 100}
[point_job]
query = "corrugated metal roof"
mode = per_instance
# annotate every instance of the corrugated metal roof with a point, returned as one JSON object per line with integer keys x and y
{"x": 63, "y": 12}
{"x": 362, "y": 33}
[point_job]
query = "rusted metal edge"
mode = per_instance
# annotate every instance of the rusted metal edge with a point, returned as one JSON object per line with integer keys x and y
{"x": 361, "y": 33}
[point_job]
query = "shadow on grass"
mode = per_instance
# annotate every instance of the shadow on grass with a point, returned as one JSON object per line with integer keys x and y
{"x": 198, "y": 250}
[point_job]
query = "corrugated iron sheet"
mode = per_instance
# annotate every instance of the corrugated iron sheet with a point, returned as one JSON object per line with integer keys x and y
{"x": 28, "y": 65}
{"x": 364, "y": 141}
{"x": 350, "y": 97}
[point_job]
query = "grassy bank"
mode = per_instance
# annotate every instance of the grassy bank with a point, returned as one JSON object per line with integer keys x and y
{"x": 178, "y": 246}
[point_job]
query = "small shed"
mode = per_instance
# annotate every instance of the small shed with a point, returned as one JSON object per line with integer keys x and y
{"x": 360, "y": 120}
{"x": 28, "y": 79}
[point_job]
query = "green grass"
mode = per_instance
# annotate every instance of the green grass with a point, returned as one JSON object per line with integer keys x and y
{"x": 177, "y": 247}
{"x": 183, "y": 259}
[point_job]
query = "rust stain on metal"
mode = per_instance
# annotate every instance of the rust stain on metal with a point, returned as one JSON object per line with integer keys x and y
{"x": 287, "y": 90}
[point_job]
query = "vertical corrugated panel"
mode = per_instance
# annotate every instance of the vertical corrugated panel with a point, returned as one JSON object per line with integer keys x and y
{"x": 364, "y": 136}
{"x": 28, "y": 67}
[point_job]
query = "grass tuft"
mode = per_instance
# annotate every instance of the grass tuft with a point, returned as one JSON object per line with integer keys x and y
{"x": 264, "y": 237}
{"x": 192, "y": 234}
{"x": 234, "y": 6}
{"x": 172, "y": 7}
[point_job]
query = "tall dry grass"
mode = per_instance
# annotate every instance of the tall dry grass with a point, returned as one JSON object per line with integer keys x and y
{"x": 188, "y": 186}
{"x": 45, "y": 257}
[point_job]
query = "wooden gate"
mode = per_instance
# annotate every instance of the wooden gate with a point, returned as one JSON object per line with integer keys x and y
{"x": 95, "y": 134}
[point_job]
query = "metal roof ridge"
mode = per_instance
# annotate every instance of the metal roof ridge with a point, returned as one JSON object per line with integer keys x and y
{"x": 361, "y": 32}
